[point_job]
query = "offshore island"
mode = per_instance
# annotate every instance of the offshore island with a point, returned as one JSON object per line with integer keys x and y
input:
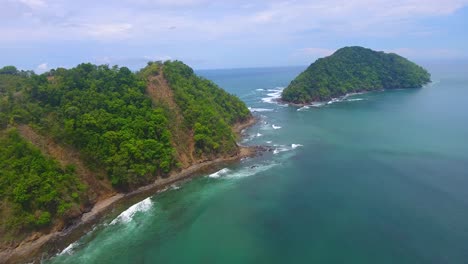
{"x": 353, "y": 70}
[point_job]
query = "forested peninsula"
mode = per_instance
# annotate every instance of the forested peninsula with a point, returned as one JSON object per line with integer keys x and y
{"x": 70, "y": 138}
{"x": 351, "y": 70}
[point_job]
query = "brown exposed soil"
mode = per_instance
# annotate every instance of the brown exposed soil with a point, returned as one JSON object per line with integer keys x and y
{"x": 239, "y": 127}
{"x": 161, "y": 94}
{"x": 99, "y": 185}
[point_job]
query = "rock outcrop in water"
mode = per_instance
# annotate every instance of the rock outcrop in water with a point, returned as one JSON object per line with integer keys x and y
{"x": 354, "y": 69}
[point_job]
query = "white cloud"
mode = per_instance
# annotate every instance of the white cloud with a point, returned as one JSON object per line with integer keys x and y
{"x": 33, "y": 3}
{"x": 218, "y": 25}
{"x": 170, "y": 3}
{"x": 41, "y": 68}
{"x": 212, "y": 19}
{"x": 114, "y": 30}
{"x": 322, "y": 52}
{"x": 422, "y": 53}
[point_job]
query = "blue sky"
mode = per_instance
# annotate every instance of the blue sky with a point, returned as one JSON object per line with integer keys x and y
{"x": 44, "y": 34}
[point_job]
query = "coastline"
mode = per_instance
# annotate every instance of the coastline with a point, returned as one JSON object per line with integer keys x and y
{"x": 321, "y": 103}
{"x": 32, "y": 249}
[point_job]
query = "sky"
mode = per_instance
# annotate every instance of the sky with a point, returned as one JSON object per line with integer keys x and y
{"x": 43, "y": 34}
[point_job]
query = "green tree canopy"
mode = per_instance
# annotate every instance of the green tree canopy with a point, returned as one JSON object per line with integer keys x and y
{"x": 354, "y": 69}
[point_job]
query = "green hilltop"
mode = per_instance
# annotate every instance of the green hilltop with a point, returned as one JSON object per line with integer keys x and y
{"x": 354, "y": 69}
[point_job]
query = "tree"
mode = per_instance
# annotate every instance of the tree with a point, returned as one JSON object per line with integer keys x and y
{"x": 9, "y": 70}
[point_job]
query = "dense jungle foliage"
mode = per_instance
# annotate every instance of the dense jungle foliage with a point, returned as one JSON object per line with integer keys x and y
{"x": 208, "y": 110}
{"x": 354, "y": 69}
{"x": 105, "y": 114}
{"x": 33, "y": 187}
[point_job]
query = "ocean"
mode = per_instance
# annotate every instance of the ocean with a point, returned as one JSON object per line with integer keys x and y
{"x": 380, "y": 177}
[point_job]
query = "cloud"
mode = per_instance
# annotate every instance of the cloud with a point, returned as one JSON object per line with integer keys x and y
{"x": 33, "y": 3}
{"x": 303, "y": 28}
{"x": 113, "y": 30}
{"x": 201, "y": 19}
{"x": 321, "y": 52}
{"x": 169, "y": 3}
{"x": 41, "y": 68}
{"x": 422, "y": 53}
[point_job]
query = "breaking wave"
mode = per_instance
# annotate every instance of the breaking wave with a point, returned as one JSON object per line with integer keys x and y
{"x": 253, "y": 109}
{"x": 283, "y": 148}
{"x": 243, "y": 172}
{"x": 273, "y": 95}
{"x": 219, "y": 173}
{"x": 354, "y": 99}
{"x": 128, "y": 214}
{"x": 280, "y": 149}
{"x": 69, "y": 250}
{"x": 293, "y": 146}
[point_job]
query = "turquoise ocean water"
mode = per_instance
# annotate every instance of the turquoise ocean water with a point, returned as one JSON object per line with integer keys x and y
{"x": 377, "y": 178}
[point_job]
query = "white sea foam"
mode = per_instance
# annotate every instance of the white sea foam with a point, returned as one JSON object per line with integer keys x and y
{"x": 280, "y": 149}
{"x": 219, "y": 173}
{"x": 305, "y": 107}
{"x": 250, "y": 171}
{"x": 69, "y": 250}
{"x": 253, "y": 109}
{"x": 334, "y": 100}
{"x": 275, "y": 127}
{"x": 273, "y": 95}
{"x": 284, "y": 148}
{"x": 259, "y": 90}
{"x": 128, "y": 214}
{"x": 268, "y": 142}
{"x": 175, "y": 187}
{"x": 293, "y": 146}
{"x": 354, "y": 99}
{"x": 162, "y": 190}
{"x": 317, "y": 104}
{"x": 247, "y": 139}
{"x": 243, "y": 172}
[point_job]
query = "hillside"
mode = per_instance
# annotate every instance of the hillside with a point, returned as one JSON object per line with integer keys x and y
{"x": 354, "y": 69}
{"x": 73, "y": 137}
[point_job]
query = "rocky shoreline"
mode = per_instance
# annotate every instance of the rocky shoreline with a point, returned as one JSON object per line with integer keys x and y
{"x": 38, "y": 246}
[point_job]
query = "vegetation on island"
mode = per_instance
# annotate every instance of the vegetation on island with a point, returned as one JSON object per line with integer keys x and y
{"x": 208, "y": 111}
{"x": 34, "y": 187}
{"x": 354, "y": 69}
{"x": 107, "y": 116}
